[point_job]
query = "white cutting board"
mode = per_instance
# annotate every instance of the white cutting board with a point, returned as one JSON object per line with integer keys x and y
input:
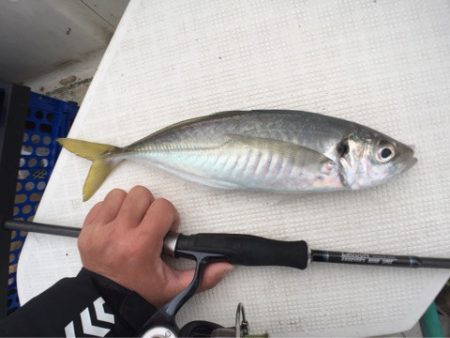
{"x": 385, "y": 64}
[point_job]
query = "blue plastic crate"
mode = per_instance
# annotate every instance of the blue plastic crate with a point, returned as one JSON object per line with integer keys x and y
{"x": 47, "y": 119}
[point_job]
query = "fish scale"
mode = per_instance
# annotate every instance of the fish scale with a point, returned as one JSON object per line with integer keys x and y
{"x": 267, "y": 150}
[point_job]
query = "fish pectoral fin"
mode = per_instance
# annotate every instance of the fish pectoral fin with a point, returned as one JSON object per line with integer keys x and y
{"x": 282, "y": 147}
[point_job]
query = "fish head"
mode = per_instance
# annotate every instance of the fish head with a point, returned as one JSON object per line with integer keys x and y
{"x": 368, "y": 158}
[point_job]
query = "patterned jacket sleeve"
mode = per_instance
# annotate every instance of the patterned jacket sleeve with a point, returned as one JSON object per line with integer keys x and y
{"x": 87, "y": 305}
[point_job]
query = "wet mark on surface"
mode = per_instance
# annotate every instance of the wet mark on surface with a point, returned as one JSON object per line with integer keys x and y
{"x": 68, "y": 80}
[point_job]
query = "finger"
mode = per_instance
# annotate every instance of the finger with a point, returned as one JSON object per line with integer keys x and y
{"x": 135, "y": 206}
{"x": 90, "y": 217}
{"x": 111, "y": 206}
{"x": 159, "y": 219}
{"x": 212, "y": 275}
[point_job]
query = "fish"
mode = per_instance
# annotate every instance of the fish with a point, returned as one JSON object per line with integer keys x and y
{"x": 284, "y": 151}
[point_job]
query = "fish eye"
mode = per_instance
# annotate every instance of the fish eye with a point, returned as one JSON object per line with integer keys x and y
{"x": 386, "y": 153}
{"x": 342, "y": 148}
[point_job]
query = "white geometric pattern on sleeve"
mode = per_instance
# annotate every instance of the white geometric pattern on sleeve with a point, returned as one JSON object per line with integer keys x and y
{"x": 87, "y": 326}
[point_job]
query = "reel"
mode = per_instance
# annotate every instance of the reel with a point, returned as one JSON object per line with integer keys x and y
{"x": 207, "y": 329}
{"x": 163, "y": 325}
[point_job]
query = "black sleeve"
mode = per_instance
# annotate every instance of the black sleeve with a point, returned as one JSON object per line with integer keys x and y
{"x": 87, "y": 305}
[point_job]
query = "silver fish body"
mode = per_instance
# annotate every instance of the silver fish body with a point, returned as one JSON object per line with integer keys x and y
{"x": 271, "y": 150}
{"x": 278, "y": 150}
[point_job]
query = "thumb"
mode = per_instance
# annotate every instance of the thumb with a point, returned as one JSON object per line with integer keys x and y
{"x": 212, "y": 275}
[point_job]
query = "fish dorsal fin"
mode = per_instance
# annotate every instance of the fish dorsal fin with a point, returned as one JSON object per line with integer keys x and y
{"x": 282, "y": 147}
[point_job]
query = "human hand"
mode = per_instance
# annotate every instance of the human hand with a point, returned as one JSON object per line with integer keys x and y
{"x": 122, "y": 239}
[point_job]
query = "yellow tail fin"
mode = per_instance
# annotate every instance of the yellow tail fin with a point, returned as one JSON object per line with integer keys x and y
{"x": 98, "y": 154}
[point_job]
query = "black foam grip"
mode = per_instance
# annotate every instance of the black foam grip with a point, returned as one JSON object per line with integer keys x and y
{"x": 246, "y": 249}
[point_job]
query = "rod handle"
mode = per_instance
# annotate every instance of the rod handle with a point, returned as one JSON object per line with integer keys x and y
{"x": 245, "y": 249}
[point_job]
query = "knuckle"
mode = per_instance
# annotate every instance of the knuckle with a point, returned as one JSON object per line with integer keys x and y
{"x": 141, "y": 192}
{"x": 97, "y": 205}
{"x": 140, "y": 188}
{"x": 115, "y": 193}
{"x": 92, "y": 213}
{"x": 166, "y": 204}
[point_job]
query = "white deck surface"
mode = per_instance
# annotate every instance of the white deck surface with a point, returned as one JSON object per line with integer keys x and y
{"x": 384, "y": 64}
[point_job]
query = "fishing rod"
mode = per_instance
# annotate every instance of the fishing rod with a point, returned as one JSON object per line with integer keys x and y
{"x": 239, "y": 249}
{"x": 253, "y": 250}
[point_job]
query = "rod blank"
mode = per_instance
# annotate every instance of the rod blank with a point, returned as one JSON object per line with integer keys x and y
{"x": 42, "y": 228}
{"x": 316, "y": 255}
{"x": 360, "y": 258}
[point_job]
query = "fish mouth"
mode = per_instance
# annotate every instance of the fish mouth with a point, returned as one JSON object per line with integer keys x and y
{"x": 406, "y": 160}
{"x": 411, "y": 163}
{"x": 412, "y": 147}
{"x": 408, "y": 164}
{"x": 411, "y": 160}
